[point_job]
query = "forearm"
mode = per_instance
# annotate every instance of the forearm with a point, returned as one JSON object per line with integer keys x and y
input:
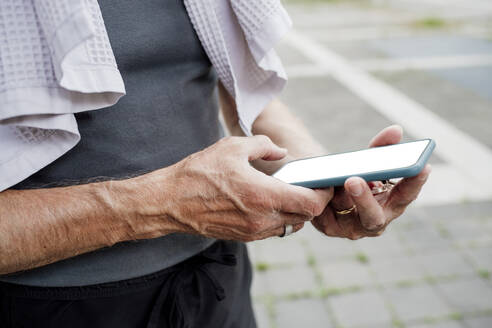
{"x": 42, "y": 226}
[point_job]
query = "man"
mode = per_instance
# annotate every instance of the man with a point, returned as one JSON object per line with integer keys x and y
{"x": 68, "y": 254}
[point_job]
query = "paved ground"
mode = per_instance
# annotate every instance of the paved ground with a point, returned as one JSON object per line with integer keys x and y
{"x": 355, "y": 67}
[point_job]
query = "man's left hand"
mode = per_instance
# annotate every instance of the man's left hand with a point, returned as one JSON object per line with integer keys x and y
{"x": 372, "y": 213}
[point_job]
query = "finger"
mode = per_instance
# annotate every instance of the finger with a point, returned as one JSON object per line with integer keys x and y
{"x": 261, "y": 146}
{"x": 293, "y": 219}
{"x": 306, "y": 201}
{"x": 371, "y": 214}
{"x": 281, "y": 219}
{"x": 326, "y": 195}
{"x": 295, "y": 199}
{"x": 388, "y": 136}
{"x": 407, "y": 191}
{"x": 375, "y": 184}
{"x": 341, "y": 200}
{"x": 327, "y": 224}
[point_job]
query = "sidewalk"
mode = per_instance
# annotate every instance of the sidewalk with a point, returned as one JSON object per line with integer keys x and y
{"x": 432, "y": 267}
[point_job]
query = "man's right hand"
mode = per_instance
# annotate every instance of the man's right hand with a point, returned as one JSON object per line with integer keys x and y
{"x": 217, "y": 193}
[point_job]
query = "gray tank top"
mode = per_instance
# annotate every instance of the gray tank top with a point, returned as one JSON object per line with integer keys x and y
{"x": 169, "y": 112}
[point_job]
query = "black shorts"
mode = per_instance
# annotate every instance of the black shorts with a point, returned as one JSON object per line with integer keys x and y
{"x": 211, "y": 289}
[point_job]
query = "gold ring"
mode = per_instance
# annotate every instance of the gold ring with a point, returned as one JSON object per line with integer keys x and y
{"x": 347, "y": 211}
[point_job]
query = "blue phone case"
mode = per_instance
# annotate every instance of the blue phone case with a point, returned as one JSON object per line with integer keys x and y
{"x": 403, "y": 172}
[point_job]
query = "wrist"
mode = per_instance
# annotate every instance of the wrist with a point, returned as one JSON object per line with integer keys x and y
{"x": 139, "y": 206}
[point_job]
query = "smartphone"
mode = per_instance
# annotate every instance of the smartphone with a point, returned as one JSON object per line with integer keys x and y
{"x": 374, "y": 164}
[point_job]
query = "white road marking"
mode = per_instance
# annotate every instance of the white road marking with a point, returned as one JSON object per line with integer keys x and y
{"x": 361, "y": 33}
{"x": 429, "y": 63}
{"x": 306, "y": 70}
{"x": 465, "y": 154}
{"x": 390, "y": 31}
{"x": 399, "y": 64}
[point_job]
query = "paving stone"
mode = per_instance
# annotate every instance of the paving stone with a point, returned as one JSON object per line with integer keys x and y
{"x": 481, "y": 257}
{"x": 446, "y": 324}
{"x": 421, "y": 236}
{"x": 282, "y": 251}
{"x": 479, "y": 322}
{"x": 429, "y": 245}
{"x": 310, "y": 313}
{"x": 259, "y": 285}
{"x": 438, "y": 45}
{"x": 364, "y": 308}
{"x": 387, "y": 245}
{"x": 390, "y": 271}
{"x": 387, "y": 325}
{"x": 343, "y": 274}
{"x": 328, "y": 249}
{"x": 418, "y": 302}
{"x": 445, "y": 264}
{"x": 291, "y": 56}
{"x": 468, "y": 210}
{"x": 476, "y": 79}
{"x": 261, "y": 315}
{"x": 446, "y": 99}
{"x": 329, "y": 108}
{"x": 291, "y": 280}
{"x": 253, "y": 252}
{"x": 468, "y": 295}
{"x": 466, "y": 231}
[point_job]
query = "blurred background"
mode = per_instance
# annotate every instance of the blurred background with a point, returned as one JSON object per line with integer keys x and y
{"x": 356, "y": 66}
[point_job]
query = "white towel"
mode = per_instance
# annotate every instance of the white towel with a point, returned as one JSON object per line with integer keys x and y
{"x": 56, "y": 60}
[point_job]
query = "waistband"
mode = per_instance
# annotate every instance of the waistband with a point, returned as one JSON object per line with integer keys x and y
{"x": 213, "y": 253}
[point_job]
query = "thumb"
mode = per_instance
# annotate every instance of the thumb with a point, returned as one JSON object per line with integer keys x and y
{"x": 261, "y": 146}
{"x": 388, "y": 136}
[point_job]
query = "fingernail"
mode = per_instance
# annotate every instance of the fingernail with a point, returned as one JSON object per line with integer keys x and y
{"x": 355, "y": 188}
{"x": 397, "y": 126}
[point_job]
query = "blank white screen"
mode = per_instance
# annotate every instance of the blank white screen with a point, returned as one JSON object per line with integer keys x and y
{"x": 354, "y": 163}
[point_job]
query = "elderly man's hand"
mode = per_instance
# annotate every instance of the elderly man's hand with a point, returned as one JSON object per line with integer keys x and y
{"x": 372, "y": 212}
{"x": 217, "y": 193}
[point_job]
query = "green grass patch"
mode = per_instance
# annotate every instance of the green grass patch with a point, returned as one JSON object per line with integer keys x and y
{"x": 430, "y": 23}
{"x": 269, "y": 302}
{"x": 430, "y": 279}
{"x": 430, "y": 320}
{"x": 262, "y": 266}
{"x": 362, "y": 258}
{"x": 456, "y": 316}
{"x": 326, "y": 292}
{"x": 485, "y": 274}
{"x": 442, "y": 230}
{"x": 311, "y": 260}
{"x": 299, "y": 295}
{"x": 397, "y": 323}
{"x": 405, "y": 283}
